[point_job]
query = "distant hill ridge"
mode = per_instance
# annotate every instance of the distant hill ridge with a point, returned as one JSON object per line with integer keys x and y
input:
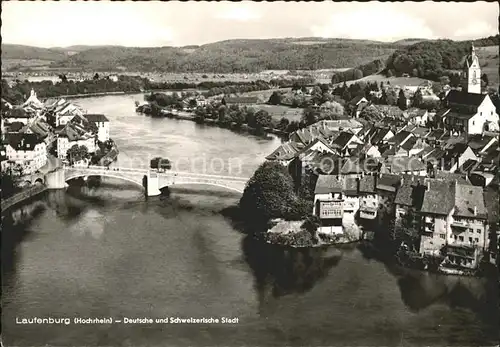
{"x": 239, "y": 55}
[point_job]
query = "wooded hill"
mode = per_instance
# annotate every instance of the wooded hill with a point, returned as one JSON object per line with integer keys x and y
{"x": 429, "y": 59}
{"x": 219, "y": 57}
{"x": 425, "y": 58}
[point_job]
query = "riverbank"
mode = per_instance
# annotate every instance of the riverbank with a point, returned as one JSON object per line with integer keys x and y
{"x": 189, "y": 116}
{"x": 22, "y": 196}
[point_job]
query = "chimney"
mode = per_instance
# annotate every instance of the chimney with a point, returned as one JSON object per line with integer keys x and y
{"x": 475, "y": 210}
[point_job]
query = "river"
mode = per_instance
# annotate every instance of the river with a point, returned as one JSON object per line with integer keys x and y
{"x": 109, "y": 252}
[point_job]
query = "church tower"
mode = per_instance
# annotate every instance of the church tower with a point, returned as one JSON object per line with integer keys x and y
{"x": 472, "y": 73}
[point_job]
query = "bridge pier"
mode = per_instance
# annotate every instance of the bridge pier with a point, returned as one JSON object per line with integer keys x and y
{"x": 56, "y": 180}
{"x": 151, "y": 184}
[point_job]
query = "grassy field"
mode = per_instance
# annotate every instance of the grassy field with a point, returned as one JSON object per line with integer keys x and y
{"x": 9, "y": 63}
{"x": 264, "y": 95}
{"x": 279, "y": 111}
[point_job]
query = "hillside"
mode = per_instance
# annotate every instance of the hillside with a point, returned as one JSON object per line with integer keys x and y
{"x": 414, "y": 56}
{"x": 433, "y": 59}
{"x": 21, "y": 52}
{"x": 221, "y": 57}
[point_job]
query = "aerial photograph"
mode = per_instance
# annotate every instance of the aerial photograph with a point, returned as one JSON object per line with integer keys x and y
{"x": 196, "y": 173}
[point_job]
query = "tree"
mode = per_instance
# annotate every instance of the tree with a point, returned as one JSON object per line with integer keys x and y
{"x": 193, "y": 103}
{"x": 96, "y": 76}
{"x": 333, "y": 110}
{"x": 311, "y": 224}
{"x": 275, "y": 98}
{"x": 222, "y": 114}
{"x": 19, "y": 170}
{"x": 444, "y": 80}
{"x": 346, "y": 95}
{"x": 417, "y": 98}
{"x": 402, "y": 101}
{"x": 200, "y": 114}
{"x": 268, "y": 194}
{"x": 237, "y": 117}
{"x": 77, "y": 153}
{"x": 262, "y": 119}
{"x": 8, "y": 184}
{"x": 391, "y": 97}
{"x": 485, "y": 80}
{"x": 370, "y": 113}
{"x": 310, "y": 116}
{"x": 283, "y": 124}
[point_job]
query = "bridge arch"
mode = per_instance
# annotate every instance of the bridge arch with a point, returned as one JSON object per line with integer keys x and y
{"x": 140, "y": 183}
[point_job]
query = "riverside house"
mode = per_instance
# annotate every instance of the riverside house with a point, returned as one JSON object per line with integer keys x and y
{"x": 61, "y": 112}
{"x": 26, "y": 150}
{"x": 368, "y": 198}
{"x": 102, "y": 125}
{"x": 454, "y": 222}
{"x": 76, "y": 133}
{"x": 329, "y": 204}
{"x": 469, "y": 228}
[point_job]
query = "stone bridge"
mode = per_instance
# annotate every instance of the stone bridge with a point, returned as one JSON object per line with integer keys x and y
{"x": 152, "y": 180}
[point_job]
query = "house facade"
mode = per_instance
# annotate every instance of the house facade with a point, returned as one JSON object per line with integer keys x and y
{"x": 26, "y": 150}
{"x": 329, "y": 204}
{"x": 102, "y": 124}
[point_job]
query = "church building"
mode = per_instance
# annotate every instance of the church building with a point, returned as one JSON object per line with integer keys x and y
{"x": 469, "y": 110}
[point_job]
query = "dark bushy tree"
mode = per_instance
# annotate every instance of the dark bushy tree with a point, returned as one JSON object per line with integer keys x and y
{"x": 268, "y": 194}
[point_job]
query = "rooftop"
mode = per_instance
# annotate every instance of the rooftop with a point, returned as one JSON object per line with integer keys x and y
{"x": 469, "y": 201}
{"x": 329, "y": 184}
{"x": 439, "y": 199}
{"x": 22, "y": 142}
{"x": 95, "y": 118}
{"x": 464, "y": 98}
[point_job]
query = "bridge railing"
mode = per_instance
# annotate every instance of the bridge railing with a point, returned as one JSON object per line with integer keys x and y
{"x": 198, "y": 175}
{"x": 94, "y": 168}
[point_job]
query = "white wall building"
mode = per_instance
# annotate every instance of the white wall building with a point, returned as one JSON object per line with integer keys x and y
{"x": 102, "y": 124}
{"x": 27, "y": 150}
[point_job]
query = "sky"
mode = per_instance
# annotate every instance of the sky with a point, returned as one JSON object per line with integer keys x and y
{"x": 147, "y": 24}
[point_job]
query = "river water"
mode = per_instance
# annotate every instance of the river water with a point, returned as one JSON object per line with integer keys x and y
{"x": 109, "y": 252}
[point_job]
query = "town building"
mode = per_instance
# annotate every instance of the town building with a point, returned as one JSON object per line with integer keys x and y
{"x": 18, "y": 114}
{"x": 329, "y": 204}
{"x": 60, "y": 112}
{"x": 469, "y": 227}
{"x": 368, "y": 198}
{"x": 436, "y": 213}
{"x": 74, "y": 134}
{"x": 102, "y": 124}
{"x": 26, "y": 150}
{"x": 469, "y": 110}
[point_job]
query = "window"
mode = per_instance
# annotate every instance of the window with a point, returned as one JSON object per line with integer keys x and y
{"x": 477, "y": 240}
{"x": 470, "y": 239}
{"x": 478, "y": 231}
{"x": 473, "y": 122}
{"x": 461, "y": 238}
{"x": 443, "y": 236}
